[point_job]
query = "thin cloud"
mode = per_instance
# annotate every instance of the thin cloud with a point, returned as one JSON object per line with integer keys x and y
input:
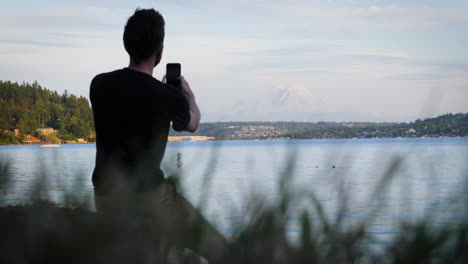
{"x": 35, "y": 43}
{"x": 426, "y": 76}
{"x": 376, "y": 17}
{"x": 378, "y": 55}
{"x": 75, "y": 35}
{"x": 86, "y": 9}
{"x": 66, "y": 19}
{"x": 7, "y": 52}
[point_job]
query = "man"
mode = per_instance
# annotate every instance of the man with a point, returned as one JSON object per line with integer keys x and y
{"x": 132, "y": 115}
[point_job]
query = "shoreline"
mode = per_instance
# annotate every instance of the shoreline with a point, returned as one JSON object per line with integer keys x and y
{"x": 242, "y": 139}
{"x": 40, "y": 144}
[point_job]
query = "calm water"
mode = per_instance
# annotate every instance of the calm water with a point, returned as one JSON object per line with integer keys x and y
{"x": 431, "y": 179}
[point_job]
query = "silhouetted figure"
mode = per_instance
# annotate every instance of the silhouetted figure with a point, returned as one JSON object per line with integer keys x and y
{"x": 132, "y": 114}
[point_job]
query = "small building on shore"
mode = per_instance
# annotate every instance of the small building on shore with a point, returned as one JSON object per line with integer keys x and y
{"x": 46, "y": 131}
{"x": 190, "y": 138}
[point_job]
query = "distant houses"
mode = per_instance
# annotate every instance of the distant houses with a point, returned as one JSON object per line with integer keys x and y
{"x": 29, "y": 139}
{"x": 46, "y": 131}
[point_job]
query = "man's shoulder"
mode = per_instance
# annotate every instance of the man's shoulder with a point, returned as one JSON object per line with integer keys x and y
{"x": 125, "y": 80}
{"x": 103, "y": 82}
{"x": 106, "y": 76}
{"x": 127, "y": 75}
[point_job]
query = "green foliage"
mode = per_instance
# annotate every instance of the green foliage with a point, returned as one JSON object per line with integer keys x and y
{"x": 28, "y": 107}
{"x": 7, "y": 138}
{"x": 52, "y": 138}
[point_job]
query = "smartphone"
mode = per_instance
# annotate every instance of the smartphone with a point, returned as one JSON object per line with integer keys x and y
{"x": 173, "y": 74}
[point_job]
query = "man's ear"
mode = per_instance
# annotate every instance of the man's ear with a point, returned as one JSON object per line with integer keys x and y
{"x": 158, "y": 56}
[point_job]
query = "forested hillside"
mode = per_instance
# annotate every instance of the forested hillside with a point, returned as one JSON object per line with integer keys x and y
{"x": 448, "y": 125}
{"x": 27, "y": 107}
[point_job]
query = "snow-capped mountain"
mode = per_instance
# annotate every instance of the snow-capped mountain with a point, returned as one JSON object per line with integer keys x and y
{"x": 282, "y": 103}
{"x": 292, "y": 96}
{"x": 292, "y": 103}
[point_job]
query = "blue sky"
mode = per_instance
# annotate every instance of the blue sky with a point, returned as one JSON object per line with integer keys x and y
{"x": 360, "y": 60}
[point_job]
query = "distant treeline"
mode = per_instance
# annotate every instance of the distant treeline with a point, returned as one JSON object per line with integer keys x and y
{"x": 27, "y": 107}
{"x": 448, "y": 125}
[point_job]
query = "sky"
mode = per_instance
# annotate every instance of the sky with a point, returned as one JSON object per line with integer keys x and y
{"x": 349, "y": 60}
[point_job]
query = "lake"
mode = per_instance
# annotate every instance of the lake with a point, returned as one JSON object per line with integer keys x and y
{"x": 429, "y": 177}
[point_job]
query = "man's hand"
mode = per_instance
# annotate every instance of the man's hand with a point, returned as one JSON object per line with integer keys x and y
{"x": 195, "y": 114}
{"x": 186, "y": 89}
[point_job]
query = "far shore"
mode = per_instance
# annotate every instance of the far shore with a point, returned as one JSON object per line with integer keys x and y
{"x": 236, "y": 139}
{"x": 40, "y": 144}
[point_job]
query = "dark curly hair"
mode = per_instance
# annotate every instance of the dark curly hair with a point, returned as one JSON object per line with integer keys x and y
{"x": 143, "y": 34}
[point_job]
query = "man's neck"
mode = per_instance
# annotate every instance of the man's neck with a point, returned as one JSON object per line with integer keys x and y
{"x": 146, "y": 66}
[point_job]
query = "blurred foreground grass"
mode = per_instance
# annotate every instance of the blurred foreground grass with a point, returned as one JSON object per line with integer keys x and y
{"x": 43, "y": 232}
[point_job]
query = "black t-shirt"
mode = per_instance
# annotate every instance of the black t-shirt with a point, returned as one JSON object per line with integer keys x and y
{"x": 132, "y": 116}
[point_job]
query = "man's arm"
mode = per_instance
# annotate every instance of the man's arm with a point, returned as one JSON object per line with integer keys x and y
{"x": 195, "y": 114}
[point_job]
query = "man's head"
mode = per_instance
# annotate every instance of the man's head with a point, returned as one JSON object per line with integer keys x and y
{"x": 144, "y": 35}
